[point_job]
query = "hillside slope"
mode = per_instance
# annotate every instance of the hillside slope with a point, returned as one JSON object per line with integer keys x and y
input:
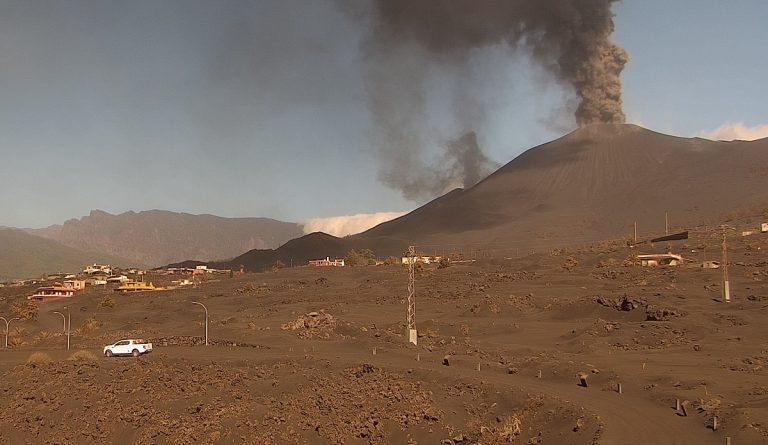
{"x": 28, "y": 256}
{"x": 157, "y": 237}
{"x": 592, "y": 184}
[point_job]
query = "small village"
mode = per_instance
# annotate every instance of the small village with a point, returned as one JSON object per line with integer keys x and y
{"x": 59, "y": 286}
{"x": 130, "y": 280}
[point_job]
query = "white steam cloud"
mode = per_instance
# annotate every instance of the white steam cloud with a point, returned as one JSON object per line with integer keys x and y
{"x": 736, "y": 131}
{"x": 348, "y": 224}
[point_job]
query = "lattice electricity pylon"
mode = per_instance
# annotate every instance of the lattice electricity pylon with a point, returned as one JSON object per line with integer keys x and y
{"x": 412, "y": 294}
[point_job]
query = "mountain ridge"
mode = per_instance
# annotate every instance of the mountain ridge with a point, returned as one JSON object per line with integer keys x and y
{"x": 156, "y": 237}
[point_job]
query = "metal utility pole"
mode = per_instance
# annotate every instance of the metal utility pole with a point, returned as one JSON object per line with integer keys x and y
{"x": 726, "y": 283}
{"x": 412, "y": 335}
{"x": 635, "y": 231}
{"x": 206, "y": 321}
{"x": 666, "y": 223}
{"x": 7, "y": 327}
{"x": 64, "y": 321}
{"x": 69, "y": 325}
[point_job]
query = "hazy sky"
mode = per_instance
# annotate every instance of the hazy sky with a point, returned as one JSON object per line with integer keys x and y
{"x": 259, "y": 108}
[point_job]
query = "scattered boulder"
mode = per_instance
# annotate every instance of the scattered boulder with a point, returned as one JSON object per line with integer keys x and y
{"x": 657, "y": 313}
{"x": 363, "y": 369}
{"x": 313, "y": 324}
{"x": 602, "y": 327}
{"x": 624, "y": 303}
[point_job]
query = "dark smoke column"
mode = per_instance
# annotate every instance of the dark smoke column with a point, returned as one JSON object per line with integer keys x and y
{"x": 592, "y": 63}
{"x": 570, "y": 38}
{"x": 409, "y": 41}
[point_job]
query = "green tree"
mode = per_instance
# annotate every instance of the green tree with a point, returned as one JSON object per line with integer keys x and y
{"x": 353, "y": 258}
{"x": 368, "y": 256}
{"x": 360, "y": 257}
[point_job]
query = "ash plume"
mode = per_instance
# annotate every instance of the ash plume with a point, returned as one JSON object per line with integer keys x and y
{"x": 410, "y": 41}
{"x": 462, "y": 164}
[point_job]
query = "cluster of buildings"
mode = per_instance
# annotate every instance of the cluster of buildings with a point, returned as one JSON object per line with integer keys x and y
{"x": 197, "y": 270}
{"x": 339, "y": 262}
{"x": 423, "y": 259}
{"x": 92, "y": 275}
{"x": 327, "y": 262}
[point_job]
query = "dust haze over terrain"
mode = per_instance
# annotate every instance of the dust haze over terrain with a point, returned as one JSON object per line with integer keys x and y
{"x": 411, "y": 43}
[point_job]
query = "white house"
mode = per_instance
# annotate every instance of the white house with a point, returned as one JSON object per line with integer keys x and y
{"x": 101, "y": 269}
{"x": 327, "y": 262}
{"x": 660, "y": 259}
{"x": 75, "y": 284}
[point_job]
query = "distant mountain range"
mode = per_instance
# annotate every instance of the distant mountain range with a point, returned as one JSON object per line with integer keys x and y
{"x": 157, "y": 237}
{"x": 590, "y": 185}
{"x": 28, "y": 256}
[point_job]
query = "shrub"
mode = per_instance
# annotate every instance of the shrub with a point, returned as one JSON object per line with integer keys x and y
{"x": 443, "y": 263}
{"x": 277, "y": 265}
{"x": 107, "y": 302}
{"x": 15, "y": 341}
{"x": 38, "y": 358}
{"x": 83, "y": 356}
{"x": 247, "y": 288}
{"x": 26, "y": 310}
{"x": 570, "y": 262}
{"x": 89, "y": 325}
{"x": 43, "y": 335}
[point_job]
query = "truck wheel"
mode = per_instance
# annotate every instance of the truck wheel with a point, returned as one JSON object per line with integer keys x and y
{"x": 108, "y": 353}
{"x": 135, "y": 353}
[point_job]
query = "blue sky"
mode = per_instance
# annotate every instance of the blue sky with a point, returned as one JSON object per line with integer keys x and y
{"x": 694, "y": 65}
{"x": 187, "y": 106}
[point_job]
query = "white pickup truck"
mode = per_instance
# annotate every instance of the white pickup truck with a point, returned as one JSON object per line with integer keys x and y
{"x": 133, "y": 347}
